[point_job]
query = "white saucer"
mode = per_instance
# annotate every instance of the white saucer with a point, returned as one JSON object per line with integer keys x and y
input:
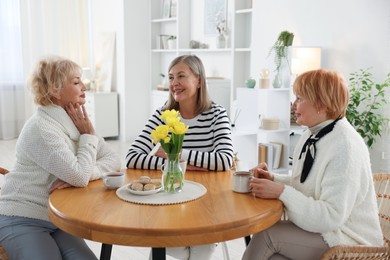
{"x": 142, "y": 192}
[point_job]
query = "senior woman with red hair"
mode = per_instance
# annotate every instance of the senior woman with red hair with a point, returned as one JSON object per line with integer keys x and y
{"x": 329, "y": 197}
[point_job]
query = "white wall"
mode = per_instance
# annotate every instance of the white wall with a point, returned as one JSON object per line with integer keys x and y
{"x": 353, "y": 35}
{"x": 129, "y": 20}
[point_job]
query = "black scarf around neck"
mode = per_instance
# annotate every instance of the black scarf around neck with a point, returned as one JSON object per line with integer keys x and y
{"x": 311, "y": 142}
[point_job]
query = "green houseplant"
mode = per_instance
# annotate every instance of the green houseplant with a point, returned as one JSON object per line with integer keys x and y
{"x": 367, "y": 98}
{"x": 280, "y": 47}
{"x": 171, "y": 41}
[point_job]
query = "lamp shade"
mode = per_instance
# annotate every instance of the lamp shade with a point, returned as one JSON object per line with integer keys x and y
{"x": 305, "y": 59}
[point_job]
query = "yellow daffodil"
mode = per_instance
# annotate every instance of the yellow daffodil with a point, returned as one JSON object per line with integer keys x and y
{"x": 171, "y": 137}
{"x": 179, "y": 128}
{"x": 160, "y": 134}
{"x": 169, "y": 113}
{"x": 172, "y": 121}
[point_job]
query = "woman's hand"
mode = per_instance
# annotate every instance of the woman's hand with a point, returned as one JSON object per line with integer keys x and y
{"x": 59, "y": 184}
{"x": 161, "y": 153}
{"x": 266, "y": 189}
{"x": 80, "y": 118}
{"x": 263, "y": 185}
{"x": 261, "y": 171}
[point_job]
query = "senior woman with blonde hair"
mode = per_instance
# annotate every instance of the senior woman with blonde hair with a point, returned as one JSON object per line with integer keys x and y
{"x": 329, "y": 197}
{"x": 57, "y": 148}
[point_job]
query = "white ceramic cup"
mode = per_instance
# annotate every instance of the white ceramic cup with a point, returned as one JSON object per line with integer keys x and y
{"x": 113, "y": 180}
{"x": 240, "y": 181}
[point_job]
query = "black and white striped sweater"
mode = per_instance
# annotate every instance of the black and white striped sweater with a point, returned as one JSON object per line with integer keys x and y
{"x": 207, "y": 143}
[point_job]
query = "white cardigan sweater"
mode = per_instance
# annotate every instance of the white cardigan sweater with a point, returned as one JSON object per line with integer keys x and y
{"x": 49, "y": 148}
{"x": 338, "y": 197}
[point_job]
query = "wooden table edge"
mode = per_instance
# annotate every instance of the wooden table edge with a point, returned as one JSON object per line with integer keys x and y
{"x": 106, "y": 235}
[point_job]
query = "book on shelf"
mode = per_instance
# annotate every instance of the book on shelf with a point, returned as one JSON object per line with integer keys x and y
{"x": 266, "y": 154}
{"x": 270, "y": 153}
{"x": 278, "y": 150}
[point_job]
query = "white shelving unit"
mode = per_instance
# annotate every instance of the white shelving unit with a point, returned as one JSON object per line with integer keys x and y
{"x": 254, "y": 105}
{"x": 231, "y": 63}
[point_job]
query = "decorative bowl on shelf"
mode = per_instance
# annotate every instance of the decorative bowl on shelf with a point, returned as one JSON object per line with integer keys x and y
{"x": 250, "y": 83}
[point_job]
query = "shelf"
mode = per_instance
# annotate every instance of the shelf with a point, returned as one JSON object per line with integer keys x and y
{"x": 164, "y": 50}
{"x": 280, "y": 130}
{"x": 197, "y": 50}
{"x": 206, "y": 50}
{"x": 236, "y": 131}
{"x": 244, "y": 11}
{"x": 271, "y": 89}
{"x": 242, "y": 49}
{"x": 164, "y": 20}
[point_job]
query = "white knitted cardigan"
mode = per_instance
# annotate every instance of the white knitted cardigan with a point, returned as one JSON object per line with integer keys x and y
{"x": 338, "y": 197}
{"x": 49, "y": 148}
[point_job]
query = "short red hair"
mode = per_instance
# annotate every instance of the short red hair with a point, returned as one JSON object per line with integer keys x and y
{"x": 324, "y": 89}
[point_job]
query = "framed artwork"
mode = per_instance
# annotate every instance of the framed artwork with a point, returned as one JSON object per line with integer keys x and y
{"x": 215, "y": 14}
{"x": 166, "y": 9}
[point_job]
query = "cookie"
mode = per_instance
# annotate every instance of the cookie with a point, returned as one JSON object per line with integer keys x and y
{"x": 144, "y": 179}
{"x": 157, "y": 184}
{"x": 137, "y": 186}
{"x": 149, "y": 186}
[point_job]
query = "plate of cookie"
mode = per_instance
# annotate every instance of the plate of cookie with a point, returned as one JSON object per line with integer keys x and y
{"x": 144, "y": 186}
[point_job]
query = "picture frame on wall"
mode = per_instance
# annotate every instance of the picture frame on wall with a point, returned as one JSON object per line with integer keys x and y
{"x": 166, "y": 9}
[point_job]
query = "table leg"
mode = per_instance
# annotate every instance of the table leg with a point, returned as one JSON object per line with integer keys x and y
{"x": 247, "y": 240}
{"x": 105, "y": 253}
{"x": 158, "y": 253}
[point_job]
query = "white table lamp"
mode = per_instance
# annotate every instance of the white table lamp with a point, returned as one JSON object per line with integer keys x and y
{"x": 305, "y": 59}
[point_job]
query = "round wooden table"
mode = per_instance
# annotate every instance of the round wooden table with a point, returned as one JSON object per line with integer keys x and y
{"x": 97, "y": 214}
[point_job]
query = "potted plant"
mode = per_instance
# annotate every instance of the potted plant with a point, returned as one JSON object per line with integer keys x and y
{"x": 367, "y": 98}
{"x": 172, "y": 42}
{"x": 280, "y": 48}
{"x": 220, "y": 22}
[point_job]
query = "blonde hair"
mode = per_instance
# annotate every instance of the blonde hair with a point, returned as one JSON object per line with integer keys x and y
{"x": 324, "y": 89}
{"x": 203, "y": 101}
{"x": 50, "y": 76}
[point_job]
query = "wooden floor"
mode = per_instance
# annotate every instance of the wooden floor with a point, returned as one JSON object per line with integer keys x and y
{"x": 235, "y": 247}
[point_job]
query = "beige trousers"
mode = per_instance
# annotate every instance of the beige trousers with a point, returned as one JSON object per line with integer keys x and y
{"x": 284, "y": 240}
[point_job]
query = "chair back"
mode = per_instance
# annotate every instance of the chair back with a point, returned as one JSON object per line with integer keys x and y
{"x": 3, "y": 171}
{"x": 3, "y": 253}
{"x": 382, "y": 187}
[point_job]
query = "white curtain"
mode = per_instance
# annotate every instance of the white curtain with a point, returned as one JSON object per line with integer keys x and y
{"x": 11, "y": 71}
{"x": 30, "y": 30}
{"x": 56, "y": 28}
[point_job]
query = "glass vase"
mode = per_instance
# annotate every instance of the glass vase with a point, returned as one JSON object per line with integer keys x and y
{"x": 172, "y": 176}
{"x": 277, "y": 82}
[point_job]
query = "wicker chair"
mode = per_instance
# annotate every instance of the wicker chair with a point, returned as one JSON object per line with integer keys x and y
{"x": 3, "y": 171}
{"x": 3, "y": 253}
{"x": 382, "y": 186}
